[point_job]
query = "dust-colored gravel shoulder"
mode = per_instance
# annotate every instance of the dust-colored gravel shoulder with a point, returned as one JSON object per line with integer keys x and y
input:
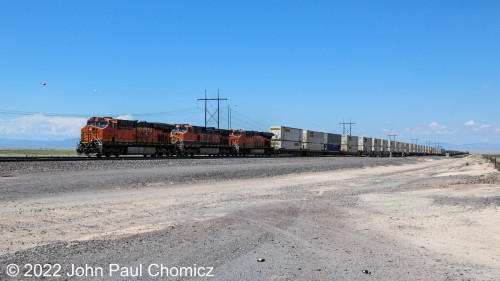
{"x": 308, "y": 218}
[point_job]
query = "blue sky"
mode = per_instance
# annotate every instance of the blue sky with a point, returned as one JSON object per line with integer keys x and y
{"x": 422, "y": 69}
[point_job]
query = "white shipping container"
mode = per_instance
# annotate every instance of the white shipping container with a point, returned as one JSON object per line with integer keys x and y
{"x": 313, "y": 137}
{"x": 377, "y": 145}
{"x": 349, "y": 144}
{"x": 385, "y": 145}
{"x": 286, "y": 133}
{"x": 399, "y": 147}
{"x": 292, "y": 145}
{"x": 411, "y": 148}
{"x": 392, "y": 146}
{"x": 313, "y": 146}
{"x": 360, "y": 143}
{"x": 367, "y": 145}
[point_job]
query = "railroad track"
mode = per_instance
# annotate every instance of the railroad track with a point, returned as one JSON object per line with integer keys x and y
{"x": 121, "y": 158}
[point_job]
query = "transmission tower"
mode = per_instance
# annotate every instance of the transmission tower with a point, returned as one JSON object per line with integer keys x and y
{"x": 218, "y": 99}
{"x": 344, "y": 130}
{"x": 393, "y": 135}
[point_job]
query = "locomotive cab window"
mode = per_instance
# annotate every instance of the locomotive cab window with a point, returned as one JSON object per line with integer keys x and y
{"x": 179, "y": 130}
{"x": 102, "y": 123}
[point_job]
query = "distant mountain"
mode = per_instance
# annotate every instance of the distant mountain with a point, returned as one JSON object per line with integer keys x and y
{"x": 20, "y": 143}
{"x": 474, "y": 147}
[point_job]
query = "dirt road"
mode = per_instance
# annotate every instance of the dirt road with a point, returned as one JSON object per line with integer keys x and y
{"x": 309, "y": 219}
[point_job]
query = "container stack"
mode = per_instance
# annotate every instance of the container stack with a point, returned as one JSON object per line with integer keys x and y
{"x": 367, "y": 146}
{"x": 392, "y": 145}
{"x": 349, "y": 144}
{"x": 312, "y": 140}
{"x": 377, "y": 147}
{"x": 386, "y": 147}
{"x": 286, "y": 138}
{"x": 332, "y": 142}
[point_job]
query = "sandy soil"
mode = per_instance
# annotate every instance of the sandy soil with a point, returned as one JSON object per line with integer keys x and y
{"x": 414, "y": 219}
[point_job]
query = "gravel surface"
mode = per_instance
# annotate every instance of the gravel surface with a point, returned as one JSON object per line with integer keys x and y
{"x": 255, "y": 219}
{"x": 469, "y": 201}
{"x": 36, "y": 178}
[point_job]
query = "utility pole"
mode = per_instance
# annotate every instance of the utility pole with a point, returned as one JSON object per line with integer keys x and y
{"x": 345, "y": 132}
{"x": 393, "y": 135}
{"x": 218, "y": 99}
{"x": 218, "y": 106}
{"x": 438, "y": 145}
{"x": 229, "y": 116}
{"x": 416, "y": 140}
{"x": 205, "y": 108}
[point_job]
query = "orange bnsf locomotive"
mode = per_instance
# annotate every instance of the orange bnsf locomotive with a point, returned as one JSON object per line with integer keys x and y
{"x": 108, "y": 136}
{"x": 191, "y": 140}
{"x": 251, "y": 142}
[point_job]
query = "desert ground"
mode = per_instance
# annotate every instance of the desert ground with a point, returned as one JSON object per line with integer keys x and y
{"x": 324, "y": 218}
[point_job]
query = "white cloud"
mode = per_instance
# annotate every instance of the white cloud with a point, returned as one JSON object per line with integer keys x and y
{"x": 125, "y": 117}
{"x": 477, "y": 127}
{"x": 39, "y": 126}
{"x": 436, "y": 126}
{"x": 470, "y": 123}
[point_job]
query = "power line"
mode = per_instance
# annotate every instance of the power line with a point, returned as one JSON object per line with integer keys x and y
{"x": 28, "y": 113}
{"x": 393, "y": 135}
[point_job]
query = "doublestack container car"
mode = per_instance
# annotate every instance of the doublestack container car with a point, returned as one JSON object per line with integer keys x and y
{"x": 367, "y": 146}
{"x": 377, "y": 147}
{"x": 350, "y": 145}
{"x": 313, "y": 141}
{"x": 386, "y": 147}
{"x": 332, "y": 142}
{"x": 286, "y": 139}
{"x": 293, "y": 141}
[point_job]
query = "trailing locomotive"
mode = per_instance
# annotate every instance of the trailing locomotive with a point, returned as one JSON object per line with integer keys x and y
{"x": 251, "y": 142}
{"x": 191, "y": 140}
{"x": 195, "y": 140}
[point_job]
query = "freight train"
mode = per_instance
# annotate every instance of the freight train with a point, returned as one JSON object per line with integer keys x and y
{"x": 107, "y": 136}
